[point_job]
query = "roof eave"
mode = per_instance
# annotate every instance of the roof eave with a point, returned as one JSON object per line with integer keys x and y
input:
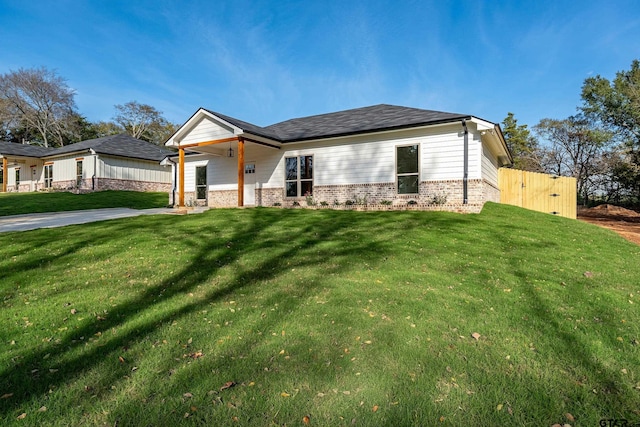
{"x": 380, "y": 130}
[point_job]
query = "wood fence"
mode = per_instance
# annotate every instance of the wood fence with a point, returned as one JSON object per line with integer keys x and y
{"x": 538, "y": 191}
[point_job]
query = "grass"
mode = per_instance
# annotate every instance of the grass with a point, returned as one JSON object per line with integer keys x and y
{"x": 24, "y": 203}
{"x": 263, "y": 316}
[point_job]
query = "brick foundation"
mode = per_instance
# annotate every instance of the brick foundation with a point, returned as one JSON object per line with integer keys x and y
{"x": 101, "y": 184}
{"x": 130, "y": 185}
{"x": 433, "y": 196}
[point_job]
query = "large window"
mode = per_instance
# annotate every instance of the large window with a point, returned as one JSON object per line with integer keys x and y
{"x": 48, "y": 176}
{"x": 407, "y": 169}
{"x": 299, "y": 176}
{"x": 79, "y": 173}
{"x": 201, "y": 182}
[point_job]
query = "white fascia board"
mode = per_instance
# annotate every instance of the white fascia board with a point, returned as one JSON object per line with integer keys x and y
{"x": 70, "y": 153}
{"x": 482, "y": 124}
{"x": 174, "y": 140}
{"x": 267, "y": 141}
{"x": 491, "y": 134}
{"x": 374, "y": 132}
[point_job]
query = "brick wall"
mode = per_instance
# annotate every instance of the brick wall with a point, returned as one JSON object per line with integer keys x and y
{"x": 433, "y": 195}
{"x": 130, "y": 185}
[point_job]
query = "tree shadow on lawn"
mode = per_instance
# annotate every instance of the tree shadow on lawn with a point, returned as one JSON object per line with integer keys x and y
{"x": 250, "y": 235}
{"x": 585, "y": 373}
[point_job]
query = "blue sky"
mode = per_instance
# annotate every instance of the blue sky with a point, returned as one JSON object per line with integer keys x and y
{"x": 268, "y": 61}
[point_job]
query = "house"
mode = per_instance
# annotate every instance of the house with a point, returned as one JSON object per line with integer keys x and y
{"x": 382, "y": 155}
{"x": 117, "y": 162}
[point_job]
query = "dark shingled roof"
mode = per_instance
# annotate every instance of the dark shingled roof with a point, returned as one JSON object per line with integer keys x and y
{"x": 349, "y": 122}
{"x": 24, "y": 150}
{"x": 360, "y": 120}
{"x": 121, "y": 145}
{"x": 245, "y": 126}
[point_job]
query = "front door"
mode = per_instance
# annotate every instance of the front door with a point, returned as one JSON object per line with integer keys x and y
{"x": 250, "y": 184}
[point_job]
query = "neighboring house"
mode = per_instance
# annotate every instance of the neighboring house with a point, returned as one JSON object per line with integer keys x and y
{"x": 117, "y": 162}
{"x": 383, "y": 154}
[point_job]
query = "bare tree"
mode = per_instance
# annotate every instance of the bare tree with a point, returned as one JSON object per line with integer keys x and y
{"x": 143, "y": 121}
{"x": 576, "y": 149}
{"x": 38, "y": 99}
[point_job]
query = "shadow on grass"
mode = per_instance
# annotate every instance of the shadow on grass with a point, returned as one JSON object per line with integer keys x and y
{"x": 250, "y": 235}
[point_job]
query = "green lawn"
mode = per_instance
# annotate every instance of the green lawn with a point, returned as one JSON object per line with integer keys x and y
{"x": 24, "y": 203}
{"x": 264, "y": 316}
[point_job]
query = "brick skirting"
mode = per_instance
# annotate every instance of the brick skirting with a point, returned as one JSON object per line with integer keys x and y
{"x": 433, "y": 196}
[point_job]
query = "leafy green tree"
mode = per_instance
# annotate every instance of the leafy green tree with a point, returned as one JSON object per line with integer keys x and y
{"x": 106, "y": 129}
{"x": 616, "y": 104}
{"x": 522, "y": 144}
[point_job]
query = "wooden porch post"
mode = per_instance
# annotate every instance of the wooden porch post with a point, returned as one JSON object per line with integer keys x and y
{"x": 240, "y": 172}
{"x": 5, "y": 174}
{"x": 181, "y": 167}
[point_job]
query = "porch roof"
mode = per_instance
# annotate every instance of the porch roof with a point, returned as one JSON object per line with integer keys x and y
{"x": 22, "y": 150}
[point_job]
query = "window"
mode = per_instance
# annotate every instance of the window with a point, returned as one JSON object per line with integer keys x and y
{"x": 407, "y": 169}
{"x": 17, "y": 177}
{"x": 299, "y": 176}
{"x": 48, "y": 176}
{"x": 201, "y": 182}
{"x": 78, "y": 173}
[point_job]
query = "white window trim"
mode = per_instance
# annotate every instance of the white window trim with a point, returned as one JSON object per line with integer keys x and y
{"x": 298, "y": 180}
{"x": 407, "y": 174}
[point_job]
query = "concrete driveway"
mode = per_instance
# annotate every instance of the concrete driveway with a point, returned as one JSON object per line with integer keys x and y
{"x": 60, "y": 219}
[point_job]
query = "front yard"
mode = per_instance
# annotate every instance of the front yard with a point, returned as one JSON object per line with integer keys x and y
{"x": 292, "y": 317}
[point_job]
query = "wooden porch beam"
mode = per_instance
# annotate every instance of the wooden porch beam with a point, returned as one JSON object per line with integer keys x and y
{"x": 5, "y": 174}
{"x": 215, "y": 141}
{"x": 240, "y": 172}
{"x": 181, "y": 178}
{"x": 262, "y": 143}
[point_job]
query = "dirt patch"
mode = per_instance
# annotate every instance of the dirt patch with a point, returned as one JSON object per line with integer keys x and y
{"x": 623, "y": 221}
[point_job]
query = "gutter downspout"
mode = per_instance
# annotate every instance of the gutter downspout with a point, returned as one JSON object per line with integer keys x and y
{"x": 465, "y": 176}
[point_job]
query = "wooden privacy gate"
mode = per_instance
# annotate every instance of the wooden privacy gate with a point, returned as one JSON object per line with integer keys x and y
{"x": 538, "y": 191}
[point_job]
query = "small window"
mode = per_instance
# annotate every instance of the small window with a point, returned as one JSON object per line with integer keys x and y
{"x": 79, "y": 173}
{"x": 249, "y": 168}
{"x": 299, "y": 176}
{"x": 407, "y": 169}
{"x": 17, "y": 177}
{"x": 201, "y": 182}
{"x": 48, "y": 176}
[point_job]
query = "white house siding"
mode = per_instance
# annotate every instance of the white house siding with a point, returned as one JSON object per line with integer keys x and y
{"x": 29, "y": 181}
{"x": 353, "y": 167}
{"x": 489, "y": 167}
{"x": 64, "y": 168}
{"x": 116, "y": 173}
{"x": 132, "y": 169}
{"x": 207, "y": 130}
